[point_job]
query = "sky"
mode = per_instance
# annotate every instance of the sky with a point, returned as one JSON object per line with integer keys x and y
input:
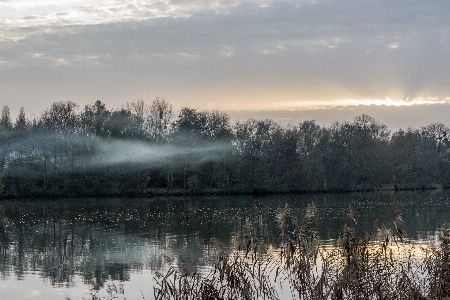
{"x": 289, "y": 60}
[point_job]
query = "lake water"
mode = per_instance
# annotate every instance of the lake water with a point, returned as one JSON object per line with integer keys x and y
{"x": 53, "y": 249}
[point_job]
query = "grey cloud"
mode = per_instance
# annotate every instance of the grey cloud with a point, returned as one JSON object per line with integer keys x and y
{"x": 104, "y": 12}
{"x": 62, "y": 14}
{"x": 303, "y": 26}
{"x": 306, "y": 49}
{"x": 30, "y": 18}
{"x": 247, "y": 30}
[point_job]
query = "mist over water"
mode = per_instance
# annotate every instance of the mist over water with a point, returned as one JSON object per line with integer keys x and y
{"x": 64, "y": 153}
{"x": 113, "y": 152}
{"x": 144, "y": 149}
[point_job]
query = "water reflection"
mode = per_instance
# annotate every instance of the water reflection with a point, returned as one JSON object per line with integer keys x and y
{"x": 111, "y": 239}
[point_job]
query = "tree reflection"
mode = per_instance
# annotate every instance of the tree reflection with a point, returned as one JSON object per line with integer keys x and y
{"x": 110, "y": 238}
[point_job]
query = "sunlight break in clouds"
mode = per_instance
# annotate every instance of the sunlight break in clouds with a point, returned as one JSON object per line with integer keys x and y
{"x": 313, "y": 105}
{"x": 230, "y": 55}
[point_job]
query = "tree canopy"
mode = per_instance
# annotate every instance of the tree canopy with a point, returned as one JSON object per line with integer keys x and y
{"x": 144, "y": 148}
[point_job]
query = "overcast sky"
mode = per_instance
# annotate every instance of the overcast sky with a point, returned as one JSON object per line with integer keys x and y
{"x": 287, "y": 60}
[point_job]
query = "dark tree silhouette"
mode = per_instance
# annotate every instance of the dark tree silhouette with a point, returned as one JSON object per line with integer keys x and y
{"x": 61, "y": 152}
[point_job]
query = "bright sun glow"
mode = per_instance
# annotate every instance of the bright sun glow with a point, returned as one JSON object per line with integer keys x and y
{"x": 391, "y": 102}
{"x": 367, "y": 102}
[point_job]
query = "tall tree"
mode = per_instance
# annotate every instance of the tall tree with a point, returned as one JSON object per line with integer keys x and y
{"x": 5, "y": 118}
{"x": 139, "y": 111}
{"x": 409, "y": 155}
{"x": 159, "y": 119}
{"x": 368, "y": 148}
{"x": 61, "y": 117}
{"x": 59, "y": 126}
{"x": 94, "y": 119}
{"x": 21, "y": 121}
{"x": 310, "y": 159}
{"x": 436, "y": 135}
{"x": 217, "y": 126}
{"x": 190, "y": 124}
{"x": 251, "y": 140}
{"x": 122, "y": 125}
{"x": 5, "y": 137}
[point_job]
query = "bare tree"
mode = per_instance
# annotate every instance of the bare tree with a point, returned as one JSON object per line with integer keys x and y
{"x": 159, "y": 119}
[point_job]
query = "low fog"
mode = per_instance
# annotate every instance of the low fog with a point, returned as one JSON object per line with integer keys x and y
{"x": 134, "y": 153}
{"x": 53, "y": 153}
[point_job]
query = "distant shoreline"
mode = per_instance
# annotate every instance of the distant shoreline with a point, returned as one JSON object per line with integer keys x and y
{"x": 155, "y": 193}
{"x": 144, "y": 150}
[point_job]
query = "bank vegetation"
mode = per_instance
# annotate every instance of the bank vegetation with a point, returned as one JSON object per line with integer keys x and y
{"x": 149, "y": 149}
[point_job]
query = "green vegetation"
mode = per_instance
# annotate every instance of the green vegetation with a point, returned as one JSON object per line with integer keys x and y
{"x": 146, "y": 149}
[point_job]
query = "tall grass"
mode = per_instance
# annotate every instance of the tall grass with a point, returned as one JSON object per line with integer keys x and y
{"x": 374, "y": 265}
{"x": 377, "y": 265}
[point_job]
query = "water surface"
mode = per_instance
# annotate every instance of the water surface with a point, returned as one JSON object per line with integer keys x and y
{"x": 50, "y": 249}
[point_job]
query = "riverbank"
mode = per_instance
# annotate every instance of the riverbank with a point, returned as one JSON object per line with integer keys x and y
{"x": 150, "y": 193}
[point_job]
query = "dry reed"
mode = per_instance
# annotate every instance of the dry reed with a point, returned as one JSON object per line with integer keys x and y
{"x": 375, "y": 265}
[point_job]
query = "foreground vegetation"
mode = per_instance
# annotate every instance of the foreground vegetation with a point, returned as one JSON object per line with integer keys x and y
{"x": 359, "y": 268}
{"x": 66, "y": 241}
{"x": 375, "y": 265}
{"x": 148, "y": 149}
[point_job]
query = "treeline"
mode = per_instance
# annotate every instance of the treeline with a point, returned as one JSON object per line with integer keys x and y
{"x": 148, "y": 148}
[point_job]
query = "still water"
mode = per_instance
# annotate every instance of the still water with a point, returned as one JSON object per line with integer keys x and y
{"x": 53, "y": 249}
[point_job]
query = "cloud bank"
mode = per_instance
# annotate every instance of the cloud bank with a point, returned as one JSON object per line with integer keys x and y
{"x": 227, "y": 55}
